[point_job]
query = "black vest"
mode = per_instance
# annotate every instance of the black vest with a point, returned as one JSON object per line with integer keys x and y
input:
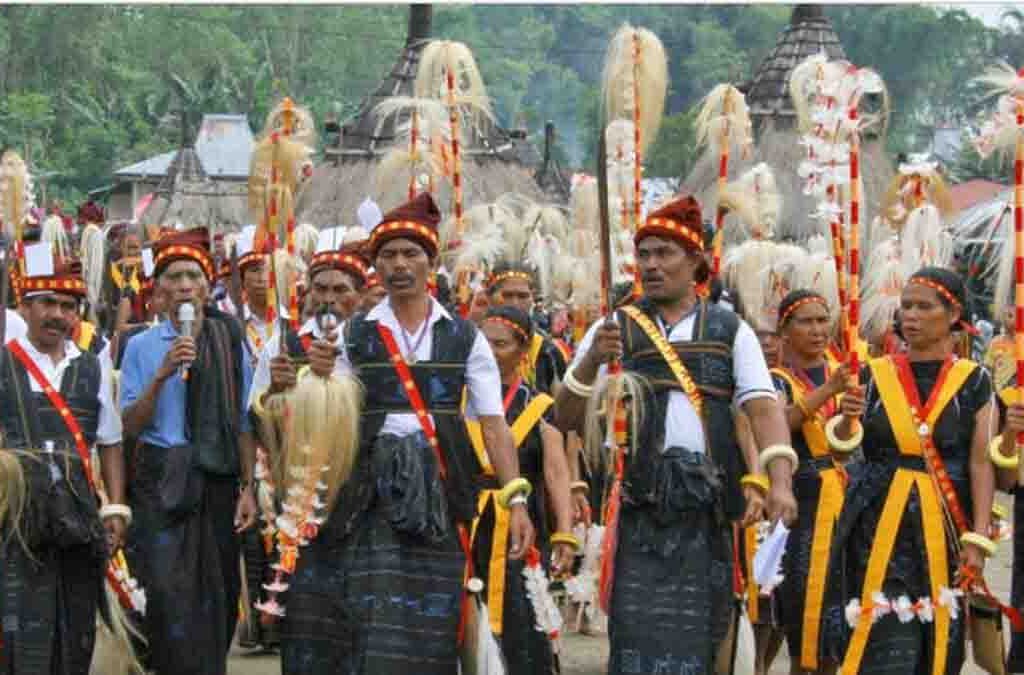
{"x": 441, "y": 382}
{"x": 708, "y": 358}
{"x": 28, "y": 419}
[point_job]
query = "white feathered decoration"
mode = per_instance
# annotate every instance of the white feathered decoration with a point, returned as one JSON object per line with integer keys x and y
{"x": 306, "y": 236}
{"x": 92, "y": 249}
{"x": 635, "y": 65}
{"x": 53, "y": 232}
{"x": 444, "y": 62}
{"x": 724, "y": 116}
{"x": 480, "y": 653}
{"x": 754, "y": 197}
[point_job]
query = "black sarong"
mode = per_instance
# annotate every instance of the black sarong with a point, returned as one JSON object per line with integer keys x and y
{"x": 1015, "y": 659}
{"x": 384, "y": 599}
{"x": 672, "y": 600}
{"x": 188, "y": 565}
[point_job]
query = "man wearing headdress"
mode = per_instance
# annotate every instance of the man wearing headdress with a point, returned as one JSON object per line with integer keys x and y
{"x": 398, "y": 529}
{"x": 56, "y": 403}
{"x": 513, "y": 285}
{"x": 183, "y": 395}
{"x": 669, "y": 595}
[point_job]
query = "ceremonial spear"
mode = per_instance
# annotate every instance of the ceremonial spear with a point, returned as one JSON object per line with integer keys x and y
{"x": 1006, "y": 128}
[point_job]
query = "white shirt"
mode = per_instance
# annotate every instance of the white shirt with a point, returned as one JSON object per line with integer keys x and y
{"x": 683, "y": 427}
{"x": 16, "y": 326}
{"x": 483, "y": 379}
{"x": 261, "y": 377}
{"x": 108, "y": 431}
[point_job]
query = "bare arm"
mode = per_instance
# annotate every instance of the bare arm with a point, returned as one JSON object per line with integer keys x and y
{"x": 983, "y": 478}
{"x": 112, "y": 468}
{"x": 769, "y": 427}
{"x": 745, "y": 439}
{"x": 556, "y": 477}
{"x": 1007, "y": 478}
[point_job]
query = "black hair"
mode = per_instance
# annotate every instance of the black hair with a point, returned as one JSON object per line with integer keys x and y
{"x": 504, "y": 267}
{"x": 517, "y": 316}
{"x": 791, "y": 299}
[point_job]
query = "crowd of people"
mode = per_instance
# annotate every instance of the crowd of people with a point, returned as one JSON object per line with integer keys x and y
{"x": 435, "y": 446}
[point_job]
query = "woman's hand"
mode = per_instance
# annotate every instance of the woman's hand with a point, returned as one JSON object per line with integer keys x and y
{"x": 838, "y": 381}
{"x": 973, "y": 557}
{"x": 852, "y": 405}
{"x": 562, "y": 556}
{"x": 755, "y": 506}
{"x": 1014, "y": 418}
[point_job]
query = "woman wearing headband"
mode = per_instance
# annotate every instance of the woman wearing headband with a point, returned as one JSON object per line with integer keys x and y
{"x": 542, "y": 461}
{"x": 914, "y": 526}
{"x": 811, "y": 384}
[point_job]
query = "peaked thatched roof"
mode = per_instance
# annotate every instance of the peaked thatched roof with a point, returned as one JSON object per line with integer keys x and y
{"x": 188, "y": 196}
{"x": 496, "y": 160}
{"x": 809, "y": 32}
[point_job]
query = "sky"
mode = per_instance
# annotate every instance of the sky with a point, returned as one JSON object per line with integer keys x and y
{"x": 989, "y": 12}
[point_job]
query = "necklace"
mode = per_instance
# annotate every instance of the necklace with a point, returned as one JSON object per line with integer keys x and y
{"x": 411, "y": 348}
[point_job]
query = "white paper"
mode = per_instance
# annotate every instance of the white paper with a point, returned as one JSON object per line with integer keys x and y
{"x": 369, "y": 214}
{"x": 246, "y": 240}
{"x": 147, "y": 262}
{"x": 39, "y": 260}
{"x": 330, "y": 239}
{"x": 768, "y": 559}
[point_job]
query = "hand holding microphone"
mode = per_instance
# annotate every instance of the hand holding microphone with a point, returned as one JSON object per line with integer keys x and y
{"x": 186, "y": 319}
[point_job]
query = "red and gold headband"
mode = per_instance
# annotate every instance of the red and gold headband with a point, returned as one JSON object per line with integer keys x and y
{"x": 345, "y": 262}
{"x": 71, "y": 286}
{"x": 788, "y": 312}
{"x": 673, "y": 228}
{"x": 182, "y": 252}
{"x": 945, "y": 293}
{"x": 397, "y": 228}
{"x": 510, "y": 274}
{"x": 511, "y": 325}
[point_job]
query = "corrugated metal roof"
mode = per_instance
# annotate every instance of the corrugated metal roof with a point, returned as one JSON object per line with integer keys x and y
{"x": 224, "y": 144}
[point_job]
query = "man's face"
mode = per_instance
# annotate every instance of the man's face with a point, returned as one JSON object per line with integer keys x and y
{"x": 131, "y": 246}
{"x": 255, "y": 281}
{"x": 50, "y": 318}
{"x": 334, "y": 290}
{"x": 515, "y": 292}
{"x": 404, "y": 268}
{"x": 666, "y": 268}
{"x": 180, "y": 282}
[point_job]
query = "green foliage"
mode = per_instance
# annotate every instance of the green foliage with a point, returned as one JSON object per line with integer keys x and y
{"x": 86, "y": 89}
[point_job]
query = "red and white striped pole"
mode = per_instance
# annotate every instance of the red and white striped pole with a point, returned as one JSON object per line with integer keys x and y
{"x": 1018, "y": 258}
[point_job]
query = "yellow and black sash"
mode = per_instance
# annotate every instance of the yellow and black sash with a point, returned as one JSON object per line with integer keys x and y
{"x": 911, "y": 443}
{"x": 521, "y": 428}
{"x": 528, "y": 368}
{"x": 830, "y": 503}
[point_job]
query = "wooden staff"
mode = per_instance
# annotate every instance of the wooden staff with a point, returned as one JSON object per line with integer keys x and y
{"x": 1018, "y": 254}
{"x": 853, "y": 309}
{"x": 723, "y": 175}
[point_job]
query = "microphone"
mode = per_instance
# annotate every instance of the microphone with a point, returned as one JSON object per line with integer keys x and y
{"x": 186, "y": 316}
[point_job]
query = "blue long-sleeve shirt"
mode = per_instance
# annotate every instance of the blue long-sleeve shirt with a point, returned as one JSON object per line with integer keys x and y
{"x": 143, "y": 357}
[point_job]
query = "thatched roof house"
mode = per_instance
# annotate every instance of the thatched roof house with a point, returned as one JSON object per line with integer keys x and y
{"x": 495, "y": 160}
{"x": 187, "y": 195}
{"x": 215, "y": 168}
{"x": 777, "y": 139}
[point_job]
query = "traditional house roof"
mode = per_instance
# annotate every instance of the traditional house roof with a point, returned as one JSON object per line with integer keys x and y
{"x": 495, "y": 160}
{"x": 222, "y": 149}
{"x": 809, "y": 32}
{"x": 778, "y": 140}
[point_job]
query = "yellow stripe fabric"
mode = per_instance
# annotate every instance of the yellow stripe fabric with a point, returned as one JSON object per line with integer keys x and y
{"x": 830, "y": 503}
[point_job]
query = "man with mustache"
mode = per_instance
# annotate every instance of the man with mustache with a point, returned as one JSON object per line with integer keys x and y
{"x": 335, "y": 280}
{"x": 397, "y": 532}
{"x": 184, "y": 395}
{"x": 56, "y": 402}
{"x": 680, "y": 477}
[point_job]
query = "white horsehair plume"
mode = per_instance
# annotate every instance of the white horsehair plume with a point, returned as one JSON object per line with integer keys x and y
{"x": 924, "y": 241}
{"x": 431, "y": 118}
{"x": 53, "y": 232}
{"x": 650, "y": 75}
{"x": 884, "y": 277}
{"x": 485, "y": 240}
{"x": 755, "y": 199}
{"x": 354, "y": 234}
{"x": 999, "y": 133}
{"x": 812, "y": 77}
{"x": 440, "y": 57}
{"x": 724, "y": 111}
{"x": 92, "y": 247}
{"x": 583, "y": 204}
{"x": 306, "y": 236}
{"x": 15, "y": 192}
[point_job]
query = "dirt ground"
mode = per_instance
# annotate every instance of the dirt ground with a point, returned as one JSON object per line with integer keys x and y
{"x": 582, "y": 655}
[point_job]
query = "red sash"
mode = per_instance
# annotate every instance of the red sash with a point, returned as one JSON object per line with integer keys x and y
{"x": 58, "y": 402}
